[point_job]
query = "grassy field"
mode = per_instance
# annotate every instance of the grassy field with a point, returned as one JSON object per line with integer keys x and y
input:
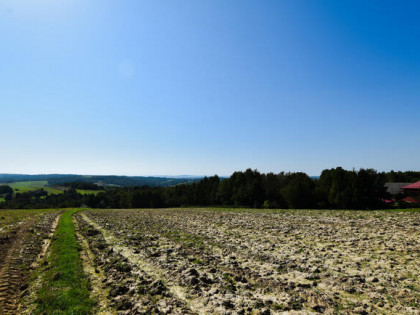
{"x": 20, "y": 187}
{"x": 33, "y": 185}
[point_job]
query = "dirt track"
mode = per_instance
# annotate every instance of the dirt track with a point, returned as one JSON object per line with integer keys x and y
{"x": 21, "y": 246}
{"x": 11, "y": 275}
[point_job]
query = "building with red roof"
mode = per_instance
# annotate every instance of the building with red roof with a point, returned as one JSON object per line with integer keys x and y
{"x": 412, "y": 189}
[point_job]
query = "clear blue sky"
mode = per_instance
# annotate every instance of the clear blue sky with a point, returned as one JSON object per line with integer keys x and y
{"x": 208, "y": 87}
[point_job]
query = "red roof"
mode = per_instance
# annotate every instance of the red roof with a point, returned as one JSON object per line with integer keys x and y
{"x": 410, "y": 200}
{"x": 412, "y": 186}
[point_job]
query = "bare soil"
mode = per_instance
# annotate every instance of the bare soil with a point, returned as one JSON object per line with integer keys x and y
{"x": 20, "y": 248}
{"x": 256, "y": 262}
{"x": 214, "y": 261}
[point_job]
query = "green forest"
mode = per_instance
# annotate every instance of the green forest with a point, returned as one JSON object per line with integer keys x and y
{"x": 336, "y": 188}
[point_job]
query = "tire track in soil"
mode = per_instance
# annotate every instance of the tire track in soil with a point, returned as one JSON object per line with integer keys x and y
{"x": 95, "y": 274}
{"x": 47, "y": 243}
{"x": 29, "y": 301}
{"x": 196, "y": 305}
{"x": 11, "y": 275}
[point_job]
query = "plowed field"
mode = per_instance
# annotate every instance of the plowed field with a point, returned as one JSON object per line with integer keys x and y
{"x": 24, "y": 235}
{"x": 214, "y": 261}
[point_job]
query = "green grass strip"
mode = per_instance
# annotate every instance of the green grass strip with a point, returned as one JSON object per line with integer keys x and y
{"x": 65, "y": 287}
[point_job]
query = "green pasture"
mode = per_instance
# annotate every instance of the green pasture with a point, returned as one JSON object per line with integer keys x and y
{"x": 32, "y": 185}
{"x": 21, "y": 187}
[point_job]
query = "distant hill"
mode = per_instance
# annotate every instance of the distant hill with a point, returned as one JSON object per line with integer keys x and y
{"x": 102, "y": 180}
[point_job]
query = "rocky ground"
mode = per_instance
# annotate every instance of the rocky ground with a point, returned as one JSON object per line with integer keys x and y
{"x": 254, "y": 262}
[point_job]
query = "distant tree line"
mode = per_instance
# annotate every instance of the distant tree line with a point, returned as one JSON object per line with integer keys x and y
{"x": 82, "y": 185}
{"x": 105, "y": 180}
{"x": 335, "y": 189}
{"x": 402, "y": 177}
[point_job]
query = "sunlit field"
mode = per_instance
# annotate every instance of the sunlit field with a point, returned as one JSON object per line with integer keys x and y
{"x": 211, "y": 261}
